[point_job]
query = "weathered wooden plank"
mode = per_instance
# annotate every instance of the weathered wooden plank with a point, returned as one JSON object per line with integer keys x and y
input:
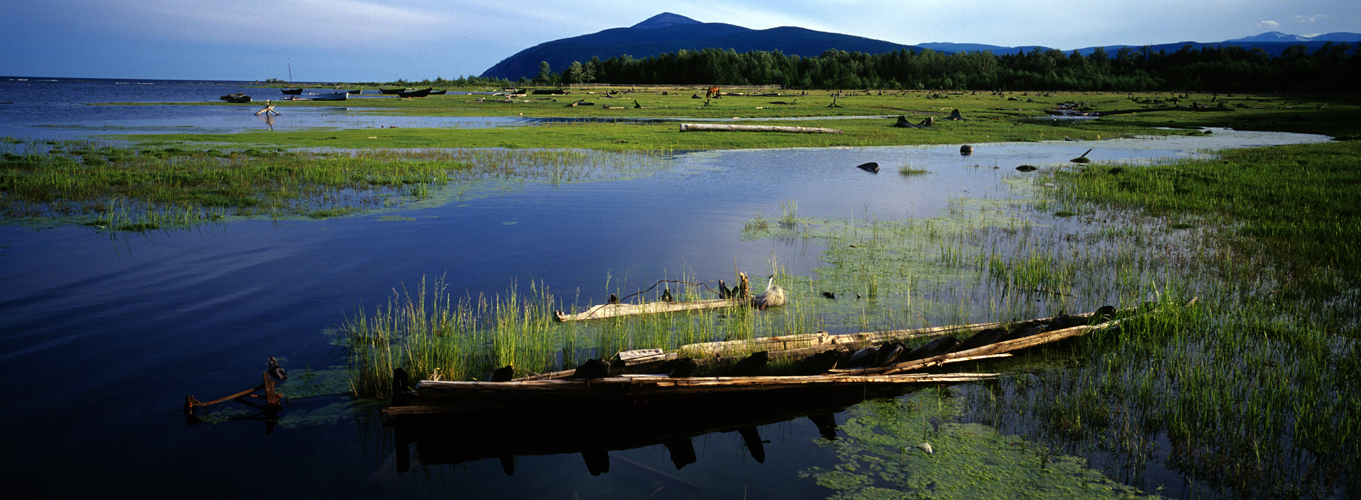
{"x": 612, "y": 310}
{"x": 997, "y": 348}
{"x": 687, "y": 127}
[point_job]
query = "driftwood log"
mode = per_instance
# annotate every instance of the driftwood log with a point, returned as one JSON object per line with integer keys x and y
{"x": 691, "y": 127}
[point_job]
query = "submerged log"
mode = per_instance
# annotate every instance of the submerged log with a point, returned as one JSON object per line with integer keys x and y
{"x": 689, "y": 127}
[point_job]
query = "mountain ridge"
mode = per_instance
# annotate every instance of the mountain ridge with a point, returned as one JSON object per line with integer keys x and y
{"x": 668, "y": 32}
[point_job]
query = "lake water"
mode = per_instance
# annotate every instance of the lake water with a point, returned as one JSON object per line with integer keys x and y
{"x": 103, "y": 336}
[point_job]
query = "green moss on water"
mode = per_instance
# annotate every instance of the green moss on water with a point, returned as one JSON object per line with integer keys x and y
{"x": 882, "y": 456}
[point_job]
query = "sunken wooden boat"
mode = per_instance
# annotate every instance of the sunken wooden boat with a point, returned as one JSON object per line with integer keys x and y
{"x": 291, "y": 91}
{"x": 820, "y": 362}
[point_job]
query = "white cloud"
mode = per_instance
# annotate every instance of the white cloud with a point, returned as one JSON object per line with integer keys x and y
{"x": 1310, "y": 19}
{"x": 1269, "y": 24}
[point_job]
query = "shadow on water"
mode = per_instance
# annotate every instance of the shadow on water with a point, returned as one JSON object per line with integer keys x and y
{"x": 593, "y": 431}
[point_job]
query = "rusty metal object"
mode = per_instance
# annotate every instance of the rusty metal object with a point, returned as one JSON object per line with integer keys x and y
{"x": 273, "y": 399}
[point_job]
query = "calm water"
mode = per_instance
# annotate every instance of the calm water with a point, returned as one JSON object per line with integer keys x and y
{"x": 102, "y": 338}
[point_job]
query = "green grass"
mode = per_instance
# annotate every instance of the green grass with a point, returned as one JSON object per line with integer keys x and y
{"x": 144, "y": 188}
{"x": 988, "y": 118}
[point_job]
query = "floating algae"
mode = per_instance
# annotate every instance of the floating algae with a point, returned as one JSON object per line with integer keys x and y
{"x": 880, "y": 458}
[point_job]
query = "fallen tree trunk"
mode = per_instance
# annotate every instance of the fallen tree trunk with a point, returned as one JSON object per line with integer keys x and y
{"x": 690, "y": 127}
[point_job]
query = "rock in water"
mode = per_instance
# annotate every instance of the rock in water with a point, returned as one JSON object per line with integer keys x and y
{"x": 869, "y": 167}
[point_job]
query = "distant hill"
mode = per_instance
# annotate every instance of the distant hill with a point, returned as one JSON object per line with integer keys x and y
{"x": 1276, "y": 36}
{"x": 667, "y": 32}
{"x": 951, "y": 48}
{"x": 1273, "y": 43}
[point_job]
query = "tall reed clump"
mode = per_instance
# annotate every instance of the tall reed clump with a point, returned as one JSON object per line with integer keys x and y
{"x": 433, "y": 336}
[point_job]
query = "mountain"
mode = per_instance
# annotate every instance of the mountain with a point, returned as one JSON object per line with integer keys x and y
{"x": 667, "y": 32}
{"x": 1273, "y": 43}
{"x": 1276, "y": 36}
{"x": 951, "y": 48}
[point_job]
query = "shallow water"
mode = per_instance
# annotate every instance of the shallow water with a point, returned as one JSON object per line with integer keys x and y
{"x": 104, "y": 336}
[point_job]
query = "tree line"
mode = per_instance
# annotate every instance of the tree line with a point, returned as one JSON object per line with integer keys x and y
{"x": 1217, "y": 69}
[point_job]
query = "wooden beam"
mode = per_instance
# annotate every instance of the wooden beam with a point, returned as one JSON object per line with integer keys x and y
{"x": 689, "y": 127}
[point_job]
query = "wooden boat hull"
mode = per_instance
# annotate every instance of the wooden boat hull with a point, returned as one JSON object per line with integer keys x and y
{"x": 415, "y": 93}
{"x": 391, "y": 91}
{"x": 338, "y": 96}
{"x": 291, "y": 91}
{"x": 454, "y": 396}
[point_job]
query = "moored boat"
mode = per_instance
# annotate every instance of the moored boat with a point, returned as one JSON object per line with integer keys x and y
{"x": 291, "y": 91}
{"x": 338, "y": 96}
{"x": 416, "y": 93}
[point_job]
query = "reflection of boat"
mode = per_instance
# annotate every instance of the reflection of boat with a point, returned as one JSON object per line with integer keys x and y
{"x": 416, "y": 93}
{"x": 338, "y": 96}
{"x": 291, "y": 91}
{"x": 392, "y": 91}
{"x": 593, "y": 429}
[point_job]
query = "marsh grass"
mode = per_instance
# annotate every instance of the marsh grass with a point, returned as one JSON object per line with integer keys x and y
{"x": 1249, "y": 387}
{"x": 427, "y": 329}
{"x": 143, "y": 188}
{"x": 865, "y": 118}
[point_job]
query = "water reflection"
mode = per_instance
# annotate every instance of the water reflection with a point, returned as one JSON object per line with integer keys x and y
{"x": 593, "y": 431}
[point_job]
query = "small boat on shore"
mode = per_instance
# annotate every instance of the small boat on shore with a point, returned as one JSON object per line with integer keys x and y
{"x": 338, "y": 96}
{"x": 438, "y": 92}
{"x": 291, "y": 91}
{"x": 415, "y": 93}
{"x": 392, "y": 91}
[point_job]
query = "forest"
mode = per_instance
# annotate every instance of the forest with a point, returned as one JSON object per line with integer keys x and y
{"x": 1208, "y": 69}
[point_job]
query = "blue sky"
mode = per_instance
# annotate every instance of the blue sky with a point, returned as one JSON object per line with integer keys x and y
{"x": 383, "y": 40}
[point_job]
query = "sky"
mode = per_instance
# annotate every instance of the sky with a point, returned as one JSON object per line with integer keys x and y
{"x": 386, "y": 40}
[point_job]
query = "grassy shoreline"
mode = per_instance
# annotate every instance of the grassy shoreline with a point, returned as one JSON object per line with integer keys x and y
{"x": 1251, "y": 388}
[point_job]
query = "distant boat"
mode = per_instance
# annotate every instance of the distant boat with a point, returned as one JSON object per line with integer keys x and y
{"x": 416, "y": 93}
{"x": 338, "y": 96}
{"x": 392, "y": 91}
{"x": 291, "y": 91}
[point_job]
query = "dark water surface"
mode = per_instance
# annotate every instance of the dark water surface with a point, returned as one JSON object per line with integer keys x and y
{"x": 102, "y": 337}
